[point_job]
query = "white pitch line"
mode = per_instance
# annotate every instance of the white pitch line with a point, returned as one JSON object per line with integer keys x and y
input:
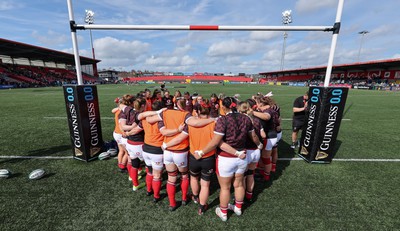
{"x": 349, "y": 160}
{"x": 111, "y": 118}
{"x": 36, "y": 157}
{"x": 292, "y": 119}
{"x": 282, "y": 159}
{"x": 64, "y": 117}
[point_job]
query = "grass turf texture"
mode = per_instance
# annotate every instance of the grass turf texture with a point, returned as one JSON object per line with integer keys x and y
{"x": 94, "y": 196}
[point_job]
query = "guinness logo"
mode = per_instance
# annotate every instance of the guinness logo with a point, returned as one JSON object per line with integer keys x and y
{"x": 94, "y": 151}
{"x": 78, "y": 152}
{"x": 321, "y": 155}
{"x": 303, "y": 151}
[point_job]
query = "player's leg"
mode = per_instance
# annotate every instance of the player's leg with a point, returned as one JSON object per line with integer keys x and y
{"x": 149, "y": 173}
{"x": 208, "y": 167}
{"x": 157, "y": 164}
{"x": 238, "y": 184}
{"x": 121, "y": 150}
{"x": 225, "y": 173}
{"x": 195, "y": 171}
{"x": 172, "y": 175}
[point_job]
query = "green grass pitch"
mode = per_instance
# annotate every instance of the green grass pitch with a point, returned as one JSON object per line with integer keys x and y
{"x": 343, "y": 195}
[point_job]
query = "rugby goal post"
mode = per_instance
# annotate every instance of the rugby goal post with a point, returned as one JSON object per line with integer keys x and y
{"x": 335, "y": 28}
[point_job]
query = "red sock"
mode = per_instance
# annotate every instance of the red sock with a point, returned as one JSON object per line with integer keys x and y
{"x": 149, "y": 182}
{"x": 238, "y": 204}
{"x": 224, "y": 210}
{"x": 265, "y": 160}
{"x": 266, "y": 175}
{"x": 134, "y": 175}
{"x": 273, "y": 169}
{"x": 156, "y": 187}
{"x": 121, "y": 166}
{"x": 171, "y": 190}
{"x": 185, "y": 186}
{"x": 249, "y": 195}
{"x": 129, "y": 168}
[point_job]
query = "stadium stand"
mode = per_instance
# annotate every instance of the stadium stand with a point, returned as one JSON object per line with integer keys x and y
{"x": 190, "y": 78}
{"x": 365, "y": 75}
{"x": 39, "y": 72}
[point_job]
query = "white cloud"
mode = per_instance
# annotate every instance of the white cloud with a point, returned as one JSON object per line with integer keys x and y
{"x": 188, "y": 61}
{"x": 162, "y": 61}
{"x": 265, "y": 35}
{"x": 233, "y": 47}
{"x": 201, "y": 7}
{"x": 382, "y": 30}
{"x": 9, "y": 5}
{"x": 307, "y": 6}
{"x": 108, "y": 47}
{"x": 182, "y": 50}
{"x": 51, "y": 38}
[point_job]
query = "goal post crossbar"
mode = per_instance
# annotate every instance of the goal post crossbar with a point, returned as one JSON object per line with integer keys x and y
{"x": 335, "y": 29}
{"x": 202, "y": 27}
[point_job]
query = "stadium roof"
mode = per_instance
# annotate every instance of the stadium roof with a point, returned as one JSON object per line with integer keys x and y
{"x": 387, "y": 64}
{"x": 21, "y": 50}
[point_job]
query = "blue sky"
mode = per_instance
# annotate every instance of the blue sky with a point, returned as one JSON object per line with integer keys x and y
{"x": 45, "y": 23}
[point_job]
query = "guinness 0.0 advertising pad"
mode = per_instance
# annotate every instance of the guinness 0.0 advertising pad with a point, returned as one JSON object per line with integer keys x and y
{"x": 307, "y": 142}
{"x": 320, "y": 132}
{"x": 83, "y": 120}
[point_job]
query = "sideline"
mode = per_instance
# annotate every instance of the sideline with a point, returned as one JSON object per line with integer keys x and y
{"x": 281, "y": 159}
{"x": 111, "y": 118}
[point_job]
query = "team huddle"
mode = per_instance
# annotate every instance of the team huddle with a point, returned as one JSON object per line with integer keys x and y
{"x": 192, "y": 137}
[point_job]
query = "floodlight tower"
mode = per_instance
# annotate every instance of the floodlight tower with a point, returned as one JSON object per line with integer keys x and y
{"x": 362, "y": 33}
{"x": 286, "y": 20}
{"x": 89, "y": 19}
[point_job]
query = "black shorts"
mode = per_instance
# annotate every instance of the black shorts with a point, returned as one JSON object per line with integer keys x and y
{"x": 204, "y": 166}
{"x": 297, "y": 124}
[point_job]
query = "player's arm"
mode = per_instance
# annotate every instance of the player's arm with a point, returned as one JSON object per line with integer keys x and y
{"x": 146, "y": 114}
{"x": 262, "y": 115}
{"x": 296, "y": 107}
{"x": 153, "y": 119}
{"x": 171, "y": 132}
{"x": 197, "y": 122}
{"x": 299, "y": 109}
{"x": 263, "y": 134}
{"x": 114, "y": 110}
{"x": 254, "y": 138}
{"x": 215, "y": 141}
{"x": 124, "y": 127}
{"x": 134, "y": 131}
{"x": 176, "y": 140}
{"x": 227, "y": 148}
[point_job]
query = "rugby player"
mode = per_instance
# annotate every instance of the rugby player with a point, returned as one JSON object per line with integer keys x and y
{"x": 117, "y": 134}
{"x": 136, "y": 139}
{"x": 269, "y": 120}
{"x": 152, "y": 152}
{"x": 299, "y": 117}
{"x": 167, "y": 100}
{"x": 233, "y": 128}
{"x": 176, "y": 155}
{"x": 252, "y": 151}
{"x": 214, "y": 106}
